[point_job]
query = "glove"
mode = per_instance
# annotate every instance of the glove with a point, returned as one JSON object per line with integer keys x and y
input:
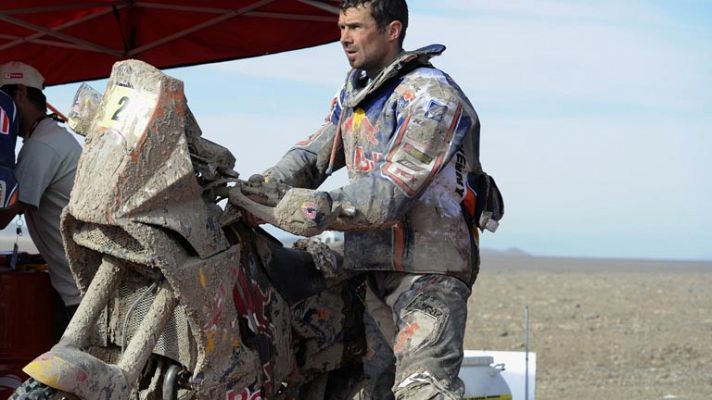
{"x": 326, "y": 260}
{"x": 302, "y": 212}
{"x": 264, "y": 190}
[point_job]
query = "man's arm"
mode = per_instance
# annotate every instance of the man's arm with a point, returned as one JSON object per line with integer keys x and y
{"x": 429, "y": 131}
{"x": 7, "y": 214}
{"x": 305, "y": 164}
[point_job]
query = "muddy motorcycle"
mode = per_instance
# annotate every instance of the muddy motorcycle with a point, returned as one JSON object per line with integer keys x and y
{"x": 181, "y": 299}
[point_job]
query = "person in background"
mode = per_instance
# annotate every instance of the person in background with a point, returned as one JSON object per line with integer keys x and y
{"x": 45, "y": 171}
{"x": 408, "y": 137}
{"x": 8, "y": 140}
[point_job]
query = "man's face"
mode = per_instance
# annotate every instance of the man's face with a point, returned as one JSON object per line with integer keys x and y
{"x": 366, "y": 47}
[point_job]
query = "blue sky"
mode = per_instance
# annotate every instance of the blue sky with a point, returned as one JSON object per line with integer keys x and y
{"x": 596, "y": 116}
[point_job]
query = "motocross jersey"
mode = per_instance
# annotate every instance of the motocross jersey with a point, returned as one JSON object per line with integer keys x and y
{"x": 408, "y": 138}
{"x": 8, "y": 139}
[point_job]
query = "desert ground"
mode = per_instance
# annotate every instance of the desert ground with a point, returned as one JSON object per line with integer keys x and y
{"x": 601, "y": 329}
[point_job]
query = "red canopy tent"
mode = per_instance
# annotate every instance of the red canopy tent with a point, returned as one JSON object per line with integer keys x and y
{"x": 77, "y": 40}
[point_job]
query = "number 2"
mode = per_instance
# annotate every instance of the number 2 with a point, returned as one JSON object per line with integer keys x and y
{"x": 123, "y": 102}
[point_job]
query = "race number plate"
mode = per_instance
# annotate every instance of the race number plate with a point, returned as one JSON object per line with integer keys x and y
{"x": 127, "y": 112}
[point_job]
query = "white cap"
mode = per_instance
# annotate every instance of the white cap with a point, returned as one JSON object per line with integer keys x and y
{"x": 19, "y": 73}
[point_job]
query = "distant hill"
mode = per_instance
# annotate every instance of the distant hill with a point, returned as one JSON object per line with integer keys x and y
{"x": 7, "y": 239}
{"x": 486, "y": 252}
{"x": 510, "y": 252}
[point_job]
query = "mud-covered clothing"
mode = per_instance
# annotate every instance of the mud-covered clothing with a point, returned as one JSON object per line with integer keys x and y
{"x": 408, "y": 139}
{"x": 45, "y": 170}
{"x": 415, "y": 330}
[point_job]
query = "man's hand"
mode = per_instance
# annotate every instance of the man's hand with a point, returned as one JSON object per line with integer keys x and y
{"x": 326, "y": 260}
{"x": 264, "y": 190}
{"x": 302, "y": 212}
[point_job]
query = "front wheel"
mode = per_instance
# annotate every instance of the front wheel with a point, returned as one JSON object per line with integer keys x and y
{"x": 34, "y": 390}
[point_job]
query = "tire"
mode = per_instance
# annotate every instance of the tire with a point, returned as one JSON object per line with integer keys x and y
{"x": 33, "y": 390}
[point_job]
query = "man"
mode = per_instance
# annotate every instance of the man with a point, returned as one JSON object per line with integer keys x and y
{"x": 45, "y": 172}
{"x": 408, "y": 137}
{"x": 8, "y": 139}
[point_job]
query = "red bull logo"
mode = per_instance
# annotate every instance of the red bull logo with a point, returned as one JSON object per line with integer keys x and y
{"x": 363, "y": 162}
{"x": 360, "y": 126}
{"x": 245, "y": 394}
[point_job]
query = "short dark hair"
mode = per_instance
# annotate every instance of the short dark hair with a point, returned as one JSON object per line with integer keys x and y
{"x": 34, "y": 95}
{"x": 384, "y": 12}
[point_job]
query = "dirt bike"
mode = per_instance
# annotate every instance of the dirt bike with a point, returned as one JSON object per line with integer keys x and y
{"x": 181, "y": 299}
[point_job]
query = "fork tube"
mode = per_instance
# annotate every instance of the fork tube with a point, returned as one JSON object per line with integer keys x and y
{"x": 146, "y": 336}
{"x": 101, "y": 288}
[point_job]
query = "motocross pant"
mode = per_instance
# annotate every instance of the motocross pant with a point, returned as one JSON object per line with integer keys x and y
{"x": 415, "y": 326}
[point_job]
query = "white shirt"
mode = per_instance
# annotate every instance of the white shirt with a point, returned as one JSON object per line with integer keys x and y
{"x": 45, "y": 171}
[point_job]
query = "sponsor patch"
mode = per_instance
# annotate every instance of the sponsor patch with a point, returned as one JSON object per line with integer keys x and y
{"x": 410, "y": 165}
{"x": 403, "y": 174}
{"x": 436, "y": 110}
{"x": 404, "y": 100}
{"x": 420, "y": 329}
{"x": 359, "y": 124}
{"x": 460, "y": 174}
{"x": 364, "y": 163}
{"x": 417, "y": 154}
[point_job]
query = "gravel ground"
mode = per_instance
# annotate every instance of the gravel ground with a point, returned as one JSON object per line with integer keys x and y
{"x": 602, "y": 329}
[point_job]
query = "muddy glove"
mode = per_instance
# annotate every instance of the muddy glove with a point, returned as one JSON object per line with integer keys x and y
{"x": 326, "y": 260}
{"x": 302, "y": 212}
{"x": 264, "y": 190}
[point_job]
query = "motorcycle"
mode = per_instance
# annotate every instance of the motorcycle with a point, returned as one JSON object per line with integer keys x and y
{"x": 181, "y": 298}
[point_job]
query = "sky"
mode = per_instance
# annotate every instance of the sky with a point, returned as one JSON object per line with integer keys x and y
{"x": 596, "y": 116}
